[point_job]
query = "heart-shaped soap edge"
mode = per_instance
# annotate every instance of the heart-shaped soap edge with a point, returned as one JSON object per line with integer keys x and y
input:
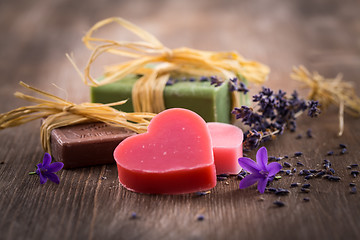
{"x": 179, "y": 182}
{"x": 226, "y": 156}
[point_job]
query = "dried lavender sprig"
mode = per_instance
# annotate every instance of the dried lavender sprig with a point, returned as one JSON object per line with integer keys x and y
{"x": 273, "y": 113}
{"x": 234, "y": 84}
{"x": 237, "y": 85}
{"x": 214, "y": 80}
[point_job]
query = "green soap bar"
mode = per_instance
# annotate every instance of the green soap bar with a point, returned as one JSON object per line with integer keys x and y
{"x": 210, "y": 102}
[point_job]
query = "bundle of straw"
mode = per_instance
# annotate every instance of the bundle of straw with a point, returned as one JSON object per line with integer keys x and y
{"x": 58, "y": 112}
{"x": 330, "y": 91}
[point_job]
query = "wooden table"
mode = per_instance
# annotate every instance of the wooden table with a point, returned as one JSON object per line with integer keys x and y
{"x": 89, "y": 203}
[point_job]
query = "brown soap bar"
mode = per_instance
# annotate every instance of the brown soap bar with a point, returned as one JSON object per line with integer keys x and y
{"x": 87, "y": 144}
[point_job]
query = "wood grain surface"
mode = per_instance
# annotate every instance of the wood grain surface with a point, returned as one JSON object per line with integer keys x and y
{"x": 89, "y": 203}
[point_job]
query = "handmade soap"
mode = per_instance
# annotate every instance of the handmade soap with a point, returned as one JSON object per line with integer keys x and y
{"x": 173, "y": 157}
{"x": 227, "y": 146}
{"x": 212, "y": 103}
{"x": 85, "y": 145}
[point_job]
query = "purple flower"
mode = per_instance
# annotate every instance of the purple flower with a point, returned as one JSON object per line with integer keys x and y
{"x": 47, "y": 171}
{"x": 261, "y": 172}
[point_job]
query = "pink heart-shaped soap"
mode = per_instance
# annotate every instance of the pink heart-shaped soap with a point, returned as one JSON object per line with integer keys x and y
{"x": 175, "y": 155}
{"x": 227, "y": 146}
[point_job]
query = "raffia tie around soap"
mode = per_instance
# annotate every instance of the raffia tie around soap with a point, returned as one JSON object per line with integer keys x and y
{"x": 58, "y": 112}
{"x": 147, "y": 94}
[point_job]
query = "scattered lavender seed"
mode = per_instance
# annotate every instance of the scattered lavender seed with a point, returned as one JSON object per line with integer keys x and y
{"x": 348, "y": 167}
{"x": 300, "y": 164}
{"x": 298, "y": 154}
{"x": 281, "y": 192}
{"x": 326, "y": 176}
{"x": 310, "y": 176}
{"x": 309, "y": 133}
{"x": 334, "y": 178}
{"x": 352, "y": 184}
{"x": 241, "y": 177}
{"x": 327, "y": 164}
{"x": 320, "y": 174}
{"x": 342, "y": 145}
{"x": 354, "y": 173}
{"x": 313, "y": 170}
{"x": 278, "y": 159}
{"x": 200, "y": 218}
{"x": 202, "y": 193}
{"x": 243, "y": 172}
{"x": 281, "y": 171}
{"x": 279, "y": 203}
{"x": 305, "y": 190}
{"x": 286, "y": 156}
{"x": 220, "y": 178}
{"x": 294, "y": 170}
{"x": 103, "y": 178}
{"x": 272, "y": 158}
{"x": 332, "y": 170}
{"x": 306, "y": 185}
{"x": 353, "y": 190}
{"x": 271, "y": 189}
{"x": 288, "y": 172}
{"x": 216, "y": 81}
{"x": 299, "y": 136}
{"x": 295, "y": 185}
{"x": 2, "y": 162}
{"x": 306, "y": 199}
{"x": 286, "y": 164}
{"x": 343, "y": 151}
{"x": 354, "y": 165}
{"x": 169, "y": 82}
{"x": 329, "y": 153}
{"x": 204, "y": 79}
{"x": 133, "y": 215}
{"x": 304, "y": 172}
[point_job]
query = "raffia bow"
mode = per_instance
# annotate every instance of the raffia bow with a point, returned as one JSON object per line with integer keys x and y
{"x": 147, "y": 94}
{"x": 58, "y": 112}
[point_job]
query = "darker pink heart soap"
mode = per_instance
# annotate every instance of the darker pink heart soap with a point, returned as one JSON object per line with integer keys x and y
{"x": 175, "y": 156}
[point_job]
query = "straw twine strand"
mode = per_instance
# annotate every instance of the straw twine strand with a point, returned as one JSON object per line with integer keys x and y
{"x": 330, "y": 91}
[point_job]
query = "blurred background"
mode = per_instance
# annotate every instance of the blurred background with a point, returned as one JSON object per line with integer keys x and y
{"x": 322, "y": 35}
{"x": 35, "y": 36}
